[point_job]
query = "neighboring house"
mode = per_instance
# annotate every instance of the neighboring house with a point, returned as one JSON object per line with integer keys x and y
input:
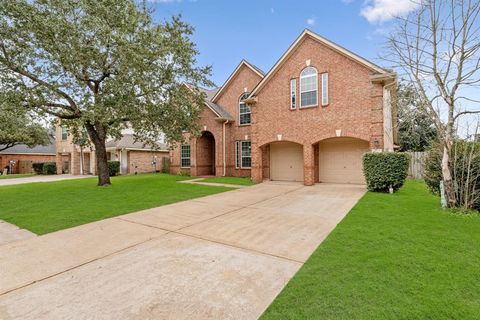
{"x": 134, "y": 157}
{"x": 22, "y": 157}
{"x": 310, "y": 118}
{"x": 70, "y": 158}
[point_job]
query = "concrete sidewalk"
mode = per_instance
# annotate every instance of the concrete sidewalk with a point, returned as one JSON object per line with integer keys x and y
{"x": 39, "y": 178}
{"x": 224, "y": 256}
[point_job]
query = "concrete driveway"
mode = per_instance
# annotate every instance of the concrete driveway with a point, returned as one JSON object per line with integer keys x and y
{"x": 39, "y": 178}
{"x": 224, "y": 256}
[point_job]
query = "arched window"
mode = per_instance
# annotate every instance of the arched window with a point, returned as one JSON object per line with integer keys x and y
{"x": 308, "y": 87}
{"x": 244, "y": 110}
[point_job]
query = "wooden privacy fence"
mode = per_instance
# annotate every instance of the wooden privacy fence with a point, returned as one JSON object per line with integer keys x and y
{"x": 416, "y": 169}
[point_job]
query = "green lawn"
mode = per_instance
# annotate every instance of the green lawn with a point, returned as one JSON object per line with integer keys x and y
{"x": 393, "y": 257}
{"x": 17, "y": 175}
{"x": 230, "y": 180}
{"x": 52, "y": 206}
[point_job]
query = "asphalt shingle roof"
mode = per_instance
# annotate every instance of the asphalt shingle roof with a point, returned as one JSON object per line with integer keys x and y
{"x": 128, "y": 142}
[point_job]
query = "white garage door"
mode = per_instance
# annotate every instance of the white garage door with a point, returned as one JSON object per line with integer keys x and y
{"x": 286, "y": 161}
{"x": 341, "y": 160}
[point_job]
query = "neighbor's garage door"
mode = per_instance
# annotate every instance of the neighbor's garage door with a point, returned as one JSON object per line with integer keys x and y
{"x": 286, "y": 161}
{"x": 341, "y": 160}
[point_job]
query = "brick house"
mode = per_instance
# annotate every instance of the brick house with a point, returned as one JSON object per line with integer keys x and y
{"x": 310, "y": 118}
{"x": 20, "y": 158}
{"x": 134, "y": 157}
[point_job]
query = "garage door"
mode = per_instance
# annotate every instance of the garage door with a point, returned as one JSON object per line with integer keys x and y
{"x": 286, "y": 161}
{"x": 341, "y": 160}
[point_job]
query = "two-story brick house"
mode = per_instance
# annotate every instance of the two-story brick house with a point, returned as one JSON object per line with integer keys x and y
{"x": 310, "y": 118}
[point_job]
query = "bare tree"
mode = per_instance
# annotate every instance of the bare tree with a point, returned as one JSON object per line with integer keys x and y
{"x": 437, "y": 49}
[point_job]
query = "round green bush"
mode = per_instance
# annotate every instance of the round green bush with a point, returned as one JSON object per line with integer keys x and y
{"x": 383, "y": 170}
{"x": 49, "y": 168}
{"x": 113, "y": 168}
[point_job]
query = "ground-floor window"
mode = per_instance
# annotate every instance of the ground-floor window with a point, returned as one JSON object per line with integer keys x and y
{"x": 243, "y": 154}
{"x": 185, "y": 156}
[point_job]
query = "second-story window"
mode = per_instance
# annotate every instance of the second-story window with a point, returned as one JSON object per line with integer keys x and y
{"x": 244, "y": 110}
{"x": 308, "y": 87}
{"x": 64, "y": 133}
{"x": 293, "y": 93}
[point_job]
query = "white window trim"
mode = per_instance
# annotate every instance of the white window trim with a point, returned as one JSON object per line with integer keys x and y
{"x": 325, "y": 95}
{"x": 316, "y": 88}
{"x": 236, "y": 155}
{"x": 240, "y": 101}
{"x": 293, "y": 91}
{"x": 238, "y": 151}
{"x": 182, "y": 157}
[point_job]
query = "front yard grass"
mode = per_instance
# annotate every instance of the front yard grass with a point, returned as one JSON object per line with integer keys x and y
{"x": 17, "y": 175}
{"x": 47, "y": 207}
{"x": 246, "y": 181}
{"x": 393, "y": 257}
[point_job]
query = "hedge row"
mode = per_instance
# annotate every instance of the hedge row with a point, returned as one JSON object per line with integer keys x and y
{"x": 44, "y": 168}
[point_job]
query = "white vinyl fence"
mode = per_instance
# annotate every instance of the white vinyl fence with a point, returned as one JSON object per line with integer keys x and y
{"x": 416, "y": 169}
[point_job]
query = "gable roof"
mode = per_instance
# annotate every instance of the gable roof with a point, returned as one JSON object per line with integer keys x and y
{"x": 49, "y": 149}
{"x": 127, "y": 141}
{"x": 218, "y": 110}
{"x": 234, "y": 73}
{"x": 328, "y": 43}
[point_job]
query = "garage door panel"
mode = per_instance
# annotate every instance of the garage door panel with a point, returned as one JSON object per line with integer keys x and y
{"x": 286, "y": 161}
{"x": 341, "y": 160}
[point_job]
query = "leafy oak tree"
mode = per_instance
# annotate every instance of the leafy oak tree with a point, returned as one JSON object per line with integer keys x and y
{"x": 102, "y": 65}
{"x": 17, "y": 127}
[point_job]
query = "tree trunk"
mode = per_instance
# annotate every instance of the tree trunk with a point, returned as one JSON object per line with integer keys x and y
{"x": 447, "y": 177}
{"x": 97, "y": 134}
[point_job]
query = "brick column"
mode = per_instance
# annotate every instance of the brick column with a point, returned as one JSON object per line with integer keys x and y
{"x": 59, "y": 162}
{"x": 75, "y": 162}
{"x": 257, "y": 168}
{"x": 308, "y": 165}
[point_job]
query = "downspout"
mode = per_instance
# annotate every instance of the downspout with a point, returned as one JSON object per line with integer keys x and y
{"x": 224, "y": 147}
{"x": 388, "y": 117}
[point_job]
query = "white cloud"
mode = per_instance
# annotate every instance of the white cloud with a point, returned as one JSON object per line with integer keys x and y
{"x": 311, "y": 21}
{"x": 272, "y": 10}
{"x": 347, "y": 1}
{"x": 383, "y": 10}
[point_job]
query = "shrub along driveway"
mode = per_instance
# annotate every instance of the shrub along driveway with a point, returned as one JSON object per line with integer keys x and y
{"x": 224, "y": 256}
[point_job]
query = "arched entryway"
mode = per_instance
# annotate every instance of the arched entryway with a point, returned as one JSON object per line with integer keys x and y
{"x": 206, "y": 154}
{"x": 286, "y": 161}
{"x": 340, "y": 160}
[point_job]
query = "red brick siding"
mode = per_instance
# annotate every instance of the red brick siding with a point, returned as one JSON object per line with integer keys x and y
{"x": 355, "y": 106}
{"x": 19, "y": 168}
{"x": 141, "y": 161}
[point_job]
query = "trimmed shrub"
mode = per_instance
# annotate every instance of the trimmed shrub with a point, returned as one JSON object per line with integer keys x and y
{"x": 49, "y": 168}
{"x": 165, "y": 165}
{"x": 38, "y": 167}
{"x": 113, "y": 168}
{"x": 383, "y": 170}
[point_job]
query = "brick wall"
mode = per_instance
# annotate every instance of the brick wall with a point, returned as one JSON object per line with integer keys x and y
{"x": 141, "y": 161}
{"x": 26, "y": 158}
{"x": 355, "y": 106}
{"x": 245, "y": 79}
